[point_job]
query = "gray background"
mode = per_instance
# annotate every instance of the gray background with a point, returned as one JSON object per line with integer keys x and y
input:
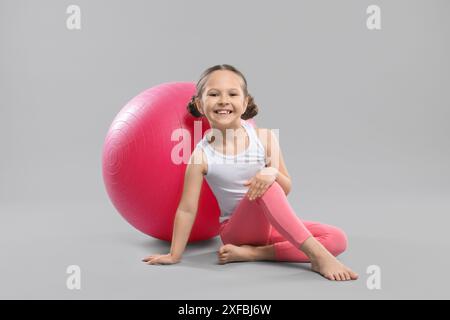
{"x": 363, "y": 119}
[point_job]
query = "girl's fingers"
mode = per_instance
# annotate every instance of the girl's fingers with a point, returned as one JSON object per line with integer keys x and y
{"x": 250, "y": 191}
{"x": 147, "y": 258}
{"x": 254, "y": 191}
{"x": 151, "y": 259}
{"x": 250, "y": 188}
{"x": 261, "y": 191}
{"x": 257, "y": 189}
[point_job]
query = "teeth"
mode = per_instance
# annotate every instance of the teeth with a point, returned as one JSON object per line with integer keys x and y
{"x": 223, "y": 112}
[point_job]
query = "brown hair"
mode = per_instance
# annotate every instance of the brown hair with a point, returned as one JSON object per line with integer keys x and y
{"x": 252, "y": 108}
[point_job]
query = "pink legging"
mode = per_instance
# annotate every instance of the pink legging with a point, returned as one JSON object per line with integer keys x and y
{"x": 271, "y": 220}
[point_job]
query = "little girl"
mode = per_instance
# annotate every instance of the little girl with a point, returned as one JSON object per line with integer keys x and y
{"x": 251, "y": 183}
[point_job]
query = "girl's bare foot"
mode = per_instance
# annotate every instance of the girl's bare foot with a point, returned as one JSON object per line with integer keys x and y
{"x": 332, "y": 269}
{"x": 324, "y": 263}
{"x": 231, "y": 253}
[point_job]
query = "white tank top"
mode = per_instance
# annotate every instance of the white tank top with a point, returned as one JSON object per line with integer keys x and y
{"x": 227, "y": 173}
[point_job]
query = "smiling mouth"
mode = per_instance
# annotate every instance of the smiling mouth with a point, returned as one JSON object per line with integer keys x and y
{"x": 223, "y": 111}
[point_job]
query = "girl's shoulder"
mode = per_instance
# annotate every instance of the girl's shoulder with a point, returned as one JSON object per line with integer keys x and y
{"x": 266, "y": 135}
{"x": 261, "y": 130}
{"x": 263, "y": 135}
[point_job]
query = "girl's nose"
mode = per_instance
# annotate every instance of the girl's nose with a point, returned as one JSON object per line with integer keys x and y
{"x": 223, "y": 100}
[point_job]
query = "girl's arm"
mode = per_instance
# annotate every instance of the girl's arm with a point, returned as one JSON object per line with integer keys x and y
{"x": 275, "y": 158}
{"x": 274, "y": 150}
{"x": 187, "y": 208}
{"x": 186, "y": 211}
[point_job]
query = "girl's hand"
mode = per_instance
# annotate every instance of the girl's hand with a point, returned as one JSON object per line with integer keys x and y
{"x": 259, "y": 184}
{"x": 161, "y": 259}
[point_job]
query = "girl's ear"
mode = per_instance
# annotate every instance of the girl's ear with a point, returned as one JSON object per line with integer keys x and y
{"x": 197, "y": 105}
{"x": 247, "y": 98}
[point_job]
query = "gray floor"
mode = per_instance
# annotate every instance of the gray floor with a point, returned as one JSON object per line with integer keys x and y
{"x": 39, "y": 243}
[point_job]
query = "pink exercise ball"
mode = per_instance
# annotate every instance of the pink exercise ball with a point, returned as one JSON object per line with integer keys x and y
{"x": 142, "y": 181}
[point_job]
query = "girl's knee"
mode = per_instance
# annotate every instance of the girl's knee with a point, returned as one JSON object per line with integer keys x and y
{"x": 339, "y": 241}
{"x": 273, "y": 191}
{"x": 276, "y": 187}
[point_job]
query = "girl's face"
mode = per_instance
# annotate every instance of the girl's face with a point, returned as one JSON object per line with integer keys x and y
{"x": 223, "y": 101}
